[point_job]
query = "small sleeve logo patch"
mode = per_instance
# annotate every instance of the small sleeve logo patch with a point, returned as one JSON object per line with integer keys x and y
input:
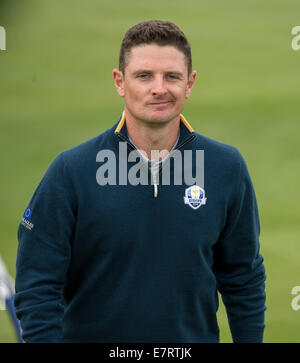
{"x": 26, "y": 219}
{"x": 28, "y": 213}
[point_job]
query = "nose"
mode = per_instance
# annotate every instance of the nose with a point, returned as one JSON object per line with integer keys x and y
{"x": 158, "y": 87}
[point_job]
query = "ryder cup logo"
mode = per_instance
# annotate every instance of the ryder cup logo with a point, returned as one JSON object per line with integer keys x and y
{"x": 195, "y": 197}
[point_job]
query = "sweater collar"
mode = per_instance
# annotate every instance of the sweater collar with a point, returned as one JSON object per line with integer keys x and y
{"x": 186, "y": 130}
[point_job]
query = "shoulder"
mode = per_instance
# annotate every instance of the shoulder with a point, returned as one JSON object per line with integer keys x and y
{"x": 92, "y": 145}
{"x": 79, "y": 158}
{"x": 223, "y": 161}
{"x": 217, "y": 150}
{"x": 86, "y": 151}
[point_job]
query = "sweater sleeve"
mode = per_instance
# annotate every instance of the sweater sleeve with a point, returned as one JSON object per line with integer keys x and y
{"x": 43, "y": 258}
{"x": 238, "y": 265}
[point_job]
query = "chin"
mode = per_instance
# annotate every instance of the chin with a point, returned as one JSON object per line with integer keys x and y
{"x": 160, "y": 116}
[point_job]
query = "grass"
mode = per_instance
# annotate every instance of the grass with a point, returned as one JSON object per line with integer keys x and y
{"x": 57, "y": 91}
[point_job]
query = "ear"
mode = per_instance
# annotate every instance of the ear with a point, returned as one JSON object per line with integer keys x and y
{"x": 190, "y": 84}
{"x": 118, "y": 78}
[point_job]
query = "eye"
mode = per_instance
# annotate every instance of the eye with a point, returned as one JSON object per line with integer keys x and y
{"x": 143, "y": 76}
{"x": 172, "y": 76}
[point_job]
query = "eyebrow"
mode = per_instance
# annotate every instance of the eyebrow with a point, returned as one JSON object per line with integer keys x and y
{"x": 148, "y": 71}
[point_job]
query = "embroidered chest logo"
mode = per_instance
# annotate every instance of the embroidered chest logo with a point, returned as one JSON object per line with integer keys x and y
{"x": 195, "y": 197}
{"x": 26, "y": 219}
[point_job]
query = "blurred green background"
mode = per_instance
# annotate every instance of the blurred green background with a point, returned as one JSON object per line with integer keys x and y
{"x": 56, "y": 91}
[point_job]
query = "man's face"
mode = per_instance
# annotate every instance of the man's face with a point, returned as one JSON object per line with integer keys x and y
{"x": 155, "y": 84}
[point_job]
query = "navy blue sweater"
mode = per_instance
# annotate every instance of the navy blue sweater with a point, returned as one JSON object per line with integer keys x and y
{"x": 113, "y": 263}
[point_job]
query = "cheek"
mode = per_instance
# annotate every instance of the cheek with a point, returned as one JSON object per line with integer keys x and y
{"x": 179, "y": 91}
{"x": 182, "y": 95}
{"x": 133, "y": 92}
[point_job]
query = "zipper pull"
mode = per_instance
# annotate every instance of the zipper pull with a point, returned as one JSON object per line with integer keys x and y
{"x": 155, "y": 186}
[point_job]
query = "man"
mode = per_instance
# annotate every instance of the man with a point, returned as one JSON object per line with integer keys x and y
{"x": 109, "y": 253}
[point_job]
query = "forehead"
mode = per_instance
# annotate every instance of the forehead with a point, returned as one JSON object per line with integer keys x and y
{"x": 153, "y": 56}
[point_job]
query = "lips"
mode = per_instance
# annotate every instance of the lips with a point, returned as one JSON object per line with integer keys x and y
{"x": 160, "y": 103}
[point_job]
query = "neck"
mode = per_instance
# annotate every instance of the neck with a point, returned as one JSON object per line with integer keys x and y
{"x": 155, "y": 139}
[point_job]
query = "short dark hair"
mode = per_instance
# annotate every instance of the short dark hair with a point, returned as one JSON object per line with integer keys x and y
{"x": 157, "y": 32}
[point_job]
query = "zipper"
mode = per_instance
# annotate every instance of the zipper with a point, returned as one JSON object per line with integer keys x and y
{"x": 186, "y": 141}
{"x": 177, "y": 148}
{"x": 160, "y": 166}
{"x": 129, "y": 143}
{"x": 155, "y": 184}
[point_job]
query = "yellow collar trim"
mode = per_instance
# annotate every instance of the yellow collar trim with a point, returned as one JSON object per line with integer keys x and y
{"x": 122, "y": 121}
{"x": 187, "y": 125}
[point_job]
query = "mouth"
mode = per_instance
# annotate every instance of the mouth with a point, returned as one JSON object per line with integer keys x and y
{"x": 160, "y": 103}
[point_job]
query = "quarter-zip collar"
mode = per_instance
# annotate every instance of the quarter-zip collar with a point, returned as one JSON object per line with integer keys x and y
{"x": 186, "y": 135}
{"x": 186, "y": 132}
